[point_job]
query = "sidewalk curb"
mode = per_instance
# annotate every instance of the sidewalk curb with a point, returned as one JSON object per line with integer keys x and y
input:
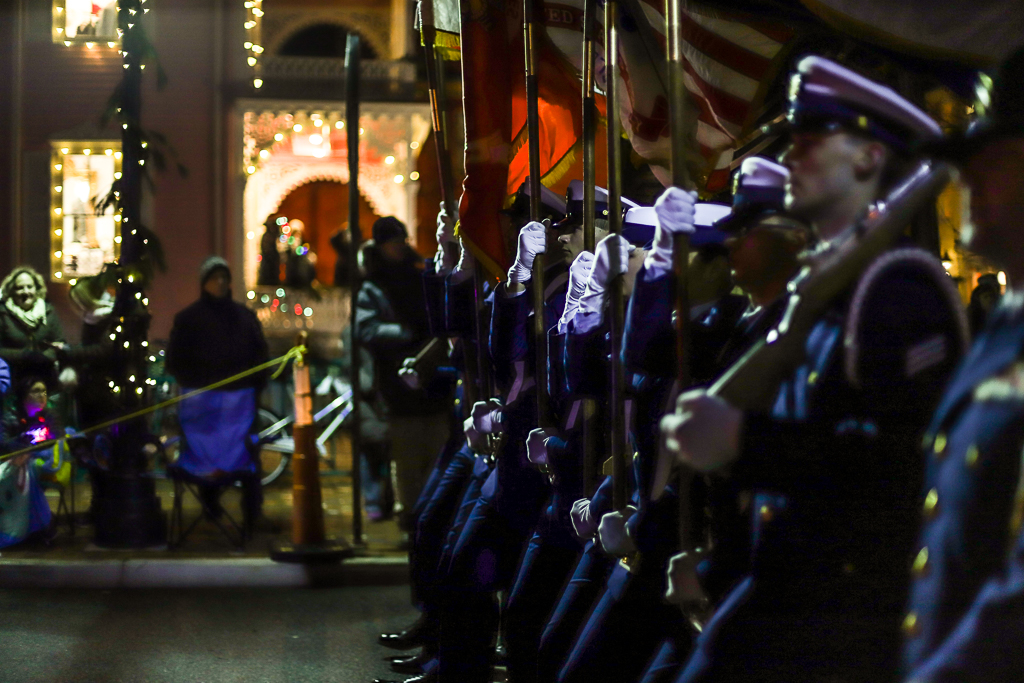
{"x": 201, "y": 573}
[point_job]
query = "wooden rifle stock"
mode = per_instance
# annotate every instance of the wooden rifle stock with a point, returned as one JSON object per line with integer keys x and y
{"x": 751, "y": 383}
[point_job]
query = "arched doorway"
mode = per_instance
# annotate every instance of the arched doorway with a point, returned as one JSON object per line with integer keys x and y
{"x": 324, "y": 40}
{"x": 322, "y": 206}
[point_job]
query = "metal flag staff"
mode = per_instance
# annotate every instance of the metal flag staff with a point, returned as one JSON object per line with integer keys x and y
{"x": 531, "y": 29}
{"x": 589, "y": 206}
{"x": 477, "y": 386}
{"x": 681, "y": 122}
{"x": 616, "y": 413}
{"x": 352, "y": 140}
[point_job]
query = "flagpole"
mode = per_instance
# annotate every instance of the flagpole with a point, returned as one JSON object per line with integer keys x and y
{"x": 616, "y": 311}
{"x": 589, "y": 206}
{"x": 476, "y": 385}
{"x": 681, "y": 122}
{"x": 533, "y": 130}
{"x": 352, "y": 140}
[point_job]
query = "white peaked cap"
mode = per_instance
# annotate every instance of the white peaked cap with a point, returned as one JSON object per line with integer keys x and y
{"x": 547, "y": 197}
{"x": 761, "y": 172}
{"x": 705, "y": 215}
{"x": 575, "y": 194}
{"x": 824, "y": 78}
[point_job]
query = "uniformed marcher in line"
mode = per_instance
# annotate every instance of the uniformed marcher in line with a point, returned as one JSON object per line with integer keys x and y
{"x": 457, "y": 489}
{"x": 834, "y": 468}
{"x": 610, "y": 645}
{"x": 966, "y": 617}
{"x": 764, "y": 243}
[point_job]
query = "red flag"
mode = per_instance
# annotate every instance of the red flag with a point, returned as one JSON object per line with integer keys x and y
{"x": 494, "y": 101}
{"x": 489, "y": 72}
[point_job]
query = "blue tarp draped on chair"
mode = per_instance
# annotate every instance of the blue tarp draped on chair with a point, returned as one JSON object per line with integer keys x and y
{"x": 215, "y": 428}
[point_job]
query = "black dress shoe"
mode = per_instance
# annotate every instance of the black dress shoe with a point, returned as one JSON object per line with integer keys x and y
{"x": 414, "y": 636}
{"x": 410, "y": 665}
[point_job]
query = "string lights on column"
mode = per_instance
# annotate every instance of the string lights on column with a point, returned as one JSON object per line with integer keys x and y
{"x": 253, "y": 39}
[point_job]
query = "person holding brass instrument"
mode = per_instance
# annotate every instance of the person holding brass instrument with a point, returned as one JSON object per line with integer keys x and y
{"x": 967, "y": 601}
{"x": 821, "y": 422}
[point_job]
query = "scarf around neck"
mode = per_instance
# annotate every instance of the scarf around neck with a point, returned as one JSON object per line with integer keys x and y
{"x": 31, "y": 318}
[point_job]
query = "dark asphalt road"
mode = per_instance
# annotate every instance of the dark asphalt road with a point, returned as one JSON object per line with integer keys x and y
{"x": 202, "y": 636}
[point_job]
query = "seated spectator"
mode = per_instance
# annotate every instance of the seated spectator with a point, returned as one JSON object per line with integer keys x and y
{"x": 24, "y": 510}
{"x": 211, "y": 340}
{"x": 30, "y": 332}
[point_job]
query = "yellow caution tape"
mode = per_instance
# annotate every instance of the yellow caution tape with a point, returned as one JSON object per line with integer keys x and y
{"x": 296, "y": 353}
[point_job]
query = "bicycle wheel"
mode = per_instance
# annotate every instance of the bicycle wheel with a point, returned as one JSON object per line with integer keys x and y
{"x": 273, "y": 462}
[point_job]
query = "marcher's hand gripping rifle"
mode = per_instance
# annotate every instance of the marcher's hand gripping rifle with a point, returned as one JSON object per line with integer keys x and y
{"x": 752, "y": 382}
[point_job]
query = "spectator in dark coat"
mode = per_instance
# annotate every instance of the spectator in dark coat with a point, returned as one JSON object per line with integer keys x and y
{"x": 30, "y": 332}
{"x": 213, "y": 339}
{"x": 342, "y": 244}
{"x": 270, "y": 258}
{"x": 392, "y": 323}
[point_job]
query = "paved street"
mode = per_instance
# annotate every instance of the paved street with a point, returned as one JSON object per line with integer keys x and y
{"x": 201, "y": 636}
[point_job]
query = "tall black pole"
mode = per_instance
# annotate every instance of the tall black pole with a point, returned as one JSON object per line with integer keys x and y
{"x": 126, "y": 509}
{"x": 531, "y": 36}
{"x": 352, "y": 138}
{"x": 616, "y": 413}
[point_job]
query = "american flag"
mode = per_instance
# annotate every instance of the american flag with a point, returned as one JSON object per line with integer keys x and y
{"x": 730, "y": 62}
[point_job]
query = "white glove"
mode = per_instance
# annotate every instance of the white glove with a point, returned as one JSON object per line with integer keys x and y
{"x": 532, "y": 241}
{"x": 683, "y": 584}
{"x": 582, "y": 521}
{"x": 447, "y": 244}
{"x": 674, "y": 211}
{"x": 487, "y": 416}
{"x": 591, "y": 309}
{"x": 466, "y": 265}
{"x": 579, "y": 273}
{"x": 474, "y": 439}
{"x": 612, "y": 531}
{"x": 537, "y": 447}
{"x": 407, "y": 373}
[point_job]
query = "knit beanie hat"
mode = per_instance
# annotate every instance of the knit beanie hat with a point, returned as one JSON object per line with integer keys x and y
{"x": 211, "y": 264}
{"x": 388, "y": 228}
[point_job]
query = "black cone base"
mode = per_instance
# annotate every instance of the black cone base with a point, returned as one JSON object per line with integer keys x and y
{"x": 329, "y": 552}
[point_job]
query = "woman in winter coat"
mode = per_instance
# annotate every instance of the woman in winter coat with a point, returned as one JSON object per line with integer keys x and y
{"x": 30, "y": 332}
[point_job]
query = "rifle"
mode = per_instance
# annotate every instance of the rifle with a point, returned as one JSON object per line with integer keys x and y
{"x": 752, "y": 382}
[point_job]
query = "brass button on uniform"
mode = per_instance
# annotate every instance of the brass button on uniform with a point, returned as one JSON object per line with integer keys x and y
{"x": 910, "y": 625}
{"x": 931, "y": 503}
{"x": 939, "y": 447}
{"x": 767, "y": 513}
{"x": 971, "y": 456}
{"x": 920, "y": 567}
